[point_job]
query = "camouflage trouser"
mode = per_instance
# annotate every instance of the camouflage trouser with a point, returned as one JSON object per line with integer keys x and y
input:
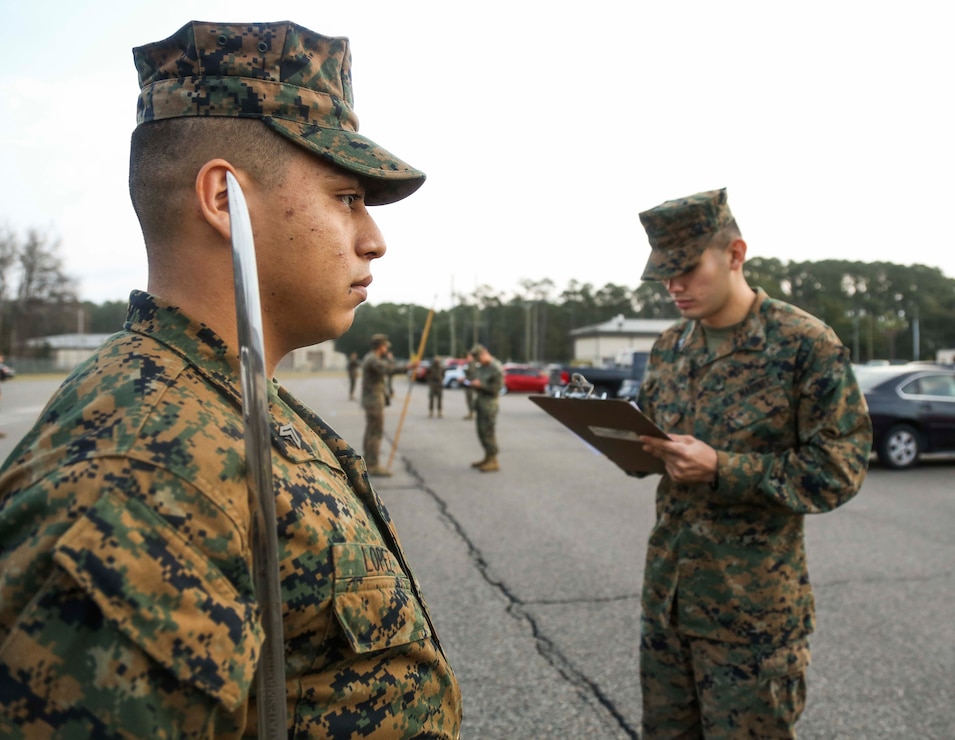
{"x": 434, "y": 399}
{"x": 374, "y": 428}
{"x": 694, "y": 688}
{"x": 486, "y": 409}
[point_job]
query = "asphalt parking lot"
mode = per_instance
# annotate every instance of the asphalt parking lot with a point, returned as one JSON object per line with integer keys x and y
{"x": 533, "y": 574}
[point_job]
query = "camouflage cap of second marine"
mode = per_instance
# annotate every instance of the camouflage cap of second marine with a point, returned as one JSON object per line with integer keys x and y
{"x": 296, "y": 81}
{"x": 680, "y": 230}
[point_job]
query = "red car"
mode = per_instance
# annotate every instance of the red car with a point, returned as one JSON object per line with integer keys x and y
{"x": 524, "y": 378}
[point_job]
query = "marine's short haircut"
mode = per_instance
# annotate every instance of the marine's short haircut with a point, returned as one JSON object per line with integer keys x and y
{"x": 166, "y": 155}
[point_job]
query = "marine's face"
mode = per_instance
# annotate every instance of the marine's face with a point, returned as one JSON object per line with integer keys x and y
{"x": 703, "y": 292}
{"x": 315, "y": 242}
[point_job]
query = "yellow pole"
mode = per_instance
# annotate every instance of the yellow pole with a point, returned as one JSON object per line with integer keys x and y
{"x": 404, "y": 410}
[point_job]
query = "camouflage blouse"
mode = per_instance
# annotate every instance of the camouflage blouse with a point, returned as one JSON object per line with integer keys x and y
{"x": 491, "y": 377}
{"x": 126, "y": 596}
{"x": 375, "y": 372}
{"x": 780, "y": 404}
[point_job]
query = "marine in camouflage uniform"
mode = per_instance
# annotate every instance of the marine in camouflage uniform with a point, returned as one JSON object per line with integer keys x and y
{"x": 377, "y": 367}
{"x": 486, "y": 383}
{"x": 435, "y": 379}
{"x": 775, "y": 428}
{"x": 354, "y": 365}
{"x": 126, "y": 590}
{"x": 127, "y": 604}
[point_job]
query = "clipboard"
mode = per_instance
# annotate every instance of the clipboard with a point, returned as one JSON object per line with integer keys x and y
{"x": 610, "y": 425}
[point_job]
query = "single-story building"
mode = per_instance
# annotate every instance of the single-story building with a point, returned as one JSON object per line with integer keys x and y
{"x": 69, "y": 350}
{"x": 613, "y": 342}
{"x": 312, "y": 359}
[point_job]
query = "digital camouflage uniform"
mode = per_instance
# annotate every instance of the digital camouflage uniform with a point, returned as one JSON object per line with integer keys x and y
{"x": 126, "y": 596}
{"x": 435, "y": 378}
{"x": 726, "y": 584}
{"x": 375, "y": 372}
{"x": 354, "y": 365}
{"x": 486, "y": 403}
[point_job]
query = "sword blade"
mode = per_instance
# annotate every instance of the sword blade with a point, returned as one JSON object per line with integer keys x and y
{"x": 270, "y": 673}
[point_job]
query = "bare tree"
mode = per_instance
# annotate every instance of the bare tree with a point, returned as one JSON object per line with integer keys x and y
{"x": 45, "y": 297}
{"x": 8, "y": 259}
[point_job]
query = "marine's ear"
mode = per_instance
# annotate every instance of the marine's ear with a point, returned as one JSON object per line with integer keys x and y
{"x": 212, "y": 194}
{"x": 737, "y": 250}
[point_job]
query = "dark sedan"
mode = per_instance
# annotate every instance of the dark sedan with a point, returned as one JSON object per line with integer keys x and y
{"x": 912, "y": 408}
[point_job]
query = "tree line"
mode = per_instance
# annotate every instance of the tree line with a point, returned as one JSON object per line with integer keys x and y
{"x": 880, "y": 310}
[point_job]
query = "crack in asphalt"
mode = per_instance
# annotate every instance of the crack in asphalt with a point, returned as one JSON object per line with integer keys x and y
{"x": 515, "y": 607}
{"x": 589, "y": 600}
{"x": 883, "y": 579}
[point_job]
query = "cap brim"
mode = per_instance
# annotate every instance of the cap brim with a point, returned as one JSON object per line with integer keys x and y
{"x": 387, "y": 178}
{"x": 665, "y": 264}
{"x": 655, "y": 271}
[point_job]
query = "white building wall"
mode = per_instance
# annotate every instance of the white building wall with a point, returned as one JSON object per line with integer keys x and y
{"x": 608, "y": 350}
{"x": 318, "y": 357}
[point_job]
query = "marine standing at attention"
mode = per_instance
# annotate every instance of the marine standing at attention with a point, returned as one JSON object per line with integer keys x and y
{"x": 127, "y": 604}
{"x": 767, "y": 424}
{"x": 354, "y": 365}
{"x": 435, "y": 379}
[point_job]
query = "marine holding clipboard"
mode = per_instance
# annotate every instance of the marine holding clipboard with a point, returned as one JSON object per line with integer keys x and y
{"x": 766, "y": 424}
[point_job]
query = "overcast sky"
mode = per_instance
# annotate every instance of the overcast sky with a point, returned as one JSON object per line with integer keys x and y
{"x": 544, "y": 128}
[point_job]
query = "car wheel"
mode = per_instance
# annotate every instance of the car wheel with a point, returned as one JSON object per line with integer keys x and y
{"x": 900, "y": 447}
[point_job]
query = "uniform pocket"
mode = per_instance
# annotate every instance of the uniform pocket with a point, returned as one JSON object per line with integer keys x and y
{"x": 165, "y": 596}
{"x": 782, "y": 682}
{"x": 785, "y": 663}
{"x": 748, "y": 408}
{"x": 374, "y": 600}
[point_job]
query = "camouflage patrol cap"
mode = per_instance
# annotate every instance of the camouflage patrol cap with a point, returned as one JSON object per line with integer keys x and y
{"x": 680, "y": 230}
{"x": 379, "y": 339}
{"x": 477, "y": 349}
{"x": 295, "y": 80}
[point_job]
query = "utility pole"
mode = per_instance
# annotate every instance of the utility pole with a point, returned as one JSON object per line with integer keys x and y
{"x": 451, "y": 321}
{"x": 916, "y": 349}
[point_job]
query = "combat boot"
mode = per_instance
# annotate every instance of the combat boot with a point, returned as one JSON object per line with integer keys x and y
{"x": 490, "y": 465}
{"x": 480, "y": 462}
{"x": 379, "y": 472}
